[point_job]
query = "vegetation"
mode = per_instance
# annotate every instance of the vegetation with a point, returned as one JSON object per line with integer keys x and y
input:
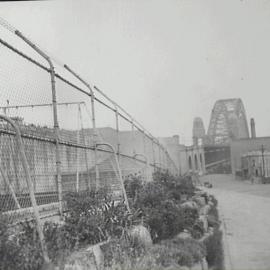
{"x": 160, "y": 204}
{"x": 19, "y": 251}
{"x": 93, "y": 217}
{"x": 213, "y": 244}
{"x": 172, "y": 254}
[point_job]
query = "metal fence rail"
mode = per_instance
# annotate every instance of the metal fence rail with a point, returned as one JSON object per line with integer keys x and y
{"x": 66, "y": 124}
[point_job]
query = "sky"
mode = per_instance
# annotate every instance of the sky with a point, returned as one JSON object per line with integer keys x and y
{"x": 164, "y": 61}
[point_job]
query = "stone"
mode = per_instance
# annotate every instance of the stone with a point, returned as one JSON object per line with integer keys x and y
{"x": 204, "y": 220}
{"x": 205, "y": 210}
{"x": 204, "y": 264}
{"x": 184, "y": 235}
{"x": 196, "y": 266}
{"x": 91, "y": 258}
{"x": 140, "y": 235}
{"x": 199, "y": 200}
{"x": 190, "y": 204}
{"x": 98, "y": 255}
{"x": 80, "y": 260}
{"x": 211, "y": 204}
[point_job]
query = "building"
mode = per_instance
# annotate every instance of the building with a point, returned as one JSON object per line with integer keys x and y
{"x": 244, "y": 151}
{"x": 187, "y": 158}
{"x": 256, "y": 165}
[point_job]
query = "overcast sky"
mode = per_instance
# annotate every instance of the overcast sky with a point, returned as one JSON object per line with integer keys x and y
{"x": 165, "y": 61}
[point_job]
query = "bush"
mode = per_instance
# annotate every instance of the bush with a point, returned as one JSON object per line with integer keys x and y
{"x": 165, "y": 221}
{"x": 151, "y": 196}
{"x": 160, "y": 204}
{"x": 21, "y": 250}
{"x": 184, "y": 252}
{"x": 214, "y": 247}
{"x": 172, "y": 254}
{"x": 133, "y": 185}
{"x": 190, "y": 216}
{"x": 92, "y": 217}
{"x": 59, "y": 241}
{"x": 121, "y": 251}
{"x": 197, "y": 230}
{"x": 175, "y": 186}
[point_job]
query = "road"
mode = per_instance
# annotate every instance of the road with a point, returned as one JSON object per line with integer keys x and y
{"x": 245, "y": 212}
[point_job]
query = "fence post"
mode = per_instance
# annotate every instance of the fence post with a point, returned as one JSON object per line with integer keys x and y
{"x": 13, "y": 194}
{"x": 117, "y": 131}
{"x": 154, "y": 156}
{"x": 119, "y": 173}
{"x": 85, "y": 152}
{"x": 144, "y": 147}
{"x": 159, "y": 152}
{"x": 29, "y": 184}
{"x": 147, "y": 172}
{"x": 92, "y": 96}
{"x": 133, "y": 136}
{"x": 55, "y": 118}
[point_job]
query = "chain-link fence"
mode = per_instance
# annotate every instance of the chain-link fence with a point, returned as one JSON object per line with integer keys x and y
{"x": 75, "y": 137}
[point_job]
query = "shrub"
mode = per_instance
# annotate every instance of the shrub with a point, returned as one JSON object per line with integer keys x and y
{"x": 93, "y": 217}
{"x": 175, "y": 186}
{"x": 59, "y": 241}
{"x": 190, "y": 216}
{"x": 214, "y": 247}
{"x": 21, "y": 250}
{"x": 185, "y": 252}
{"x": 122, "y": 255}
{"x": 133, "y": 185}
{"x": 121, "y": 251}
{"x": 165, "y": 221}
{"x": 197, "y": 230}
{"x": 159, "y": 202}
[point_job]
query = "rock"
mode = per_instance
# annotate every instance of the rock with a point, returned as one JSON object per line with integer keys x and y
{"x": 212, "y": 221}
{"x": 80, "y": 260}
{"x": 183, "y": 268}
{"x": 211, "y": 204}
{"x": 98, "y": 255}
{"x": 199, "y": 200}
{"x": 178, "y": 267}
{"x": 190, "y": 204}
{"x": 48, "y": 266}
{"x": 204, "y": 220}
{"x": 141, "y": 236}
{"x": 204, "y": 264}
{"x": 205, "y": 210}
{"x": 196, "y": 266}
{"x": 183, "y": 235}
{"x": 91, "y": 258}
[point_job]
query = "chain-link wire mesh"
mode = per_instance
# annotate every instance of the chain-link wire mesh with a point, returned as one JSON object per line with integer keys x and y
{"x": 25, "y": 90}
{"x": 77, "y": 140}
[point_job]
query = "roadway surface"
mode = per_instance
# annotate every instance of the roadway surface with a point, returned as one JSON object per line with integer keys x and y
{"x": 245, "y": 212}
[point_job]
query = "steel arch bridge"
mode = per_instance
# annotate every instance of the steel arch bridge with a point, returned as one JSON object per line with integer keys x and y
{"x": 228, "y": 121}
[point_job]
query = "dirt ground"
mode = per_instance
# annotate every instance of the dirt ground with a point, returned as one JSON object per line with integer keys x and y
{"x": 245, "y": 213}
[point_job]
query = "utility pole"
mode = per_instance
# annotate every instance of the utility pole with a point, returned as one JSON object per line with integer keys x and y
{"x": 263, "y": 166}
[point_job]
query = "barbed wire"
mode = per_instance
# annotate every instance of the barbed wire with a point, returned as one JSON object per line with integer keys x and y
{"x": 7, "y": 25}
